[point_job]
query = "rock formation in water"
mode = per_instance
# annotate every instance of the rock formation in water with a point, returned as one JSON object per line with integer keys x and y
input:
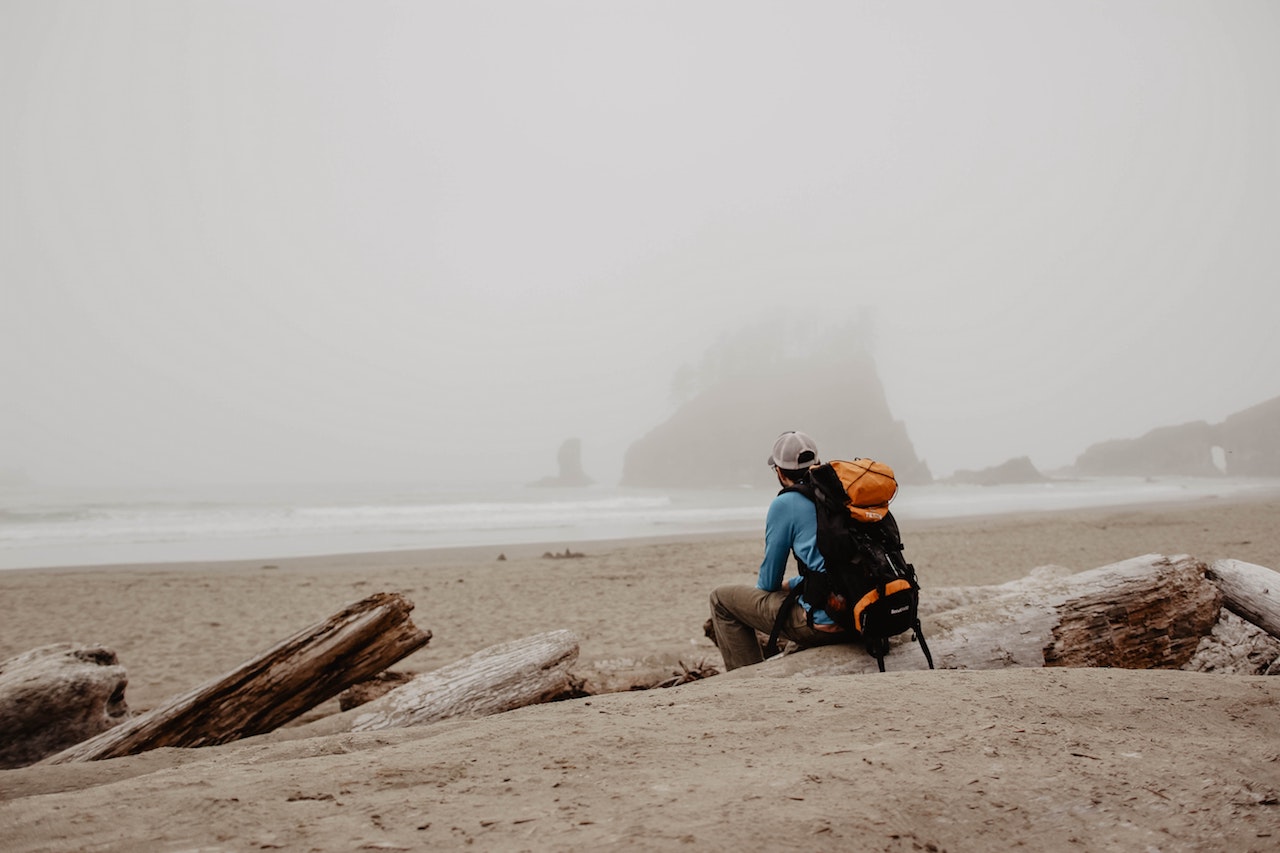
{"x": 1246, "y": 444}
{"x": 1019, "y": 470}
{"x": 753, "y": 391}
{"x": 569, "y": 460}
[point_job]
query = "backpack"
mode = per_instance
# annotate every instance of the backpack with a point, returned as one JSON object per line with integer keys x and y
{"x": 867, "y": 586}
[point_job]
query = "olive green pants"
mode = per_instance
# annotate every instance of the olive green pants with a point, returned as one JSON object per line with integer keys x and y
{"x": 738, "y": 612}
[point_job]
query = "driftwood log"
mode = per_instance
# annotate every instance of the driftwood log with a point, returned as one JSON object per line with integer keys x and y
{"x": 1150, "y": 612}
{"x": 1250, "y": 591}
{"x": 55, "y": 696}
{"x": 293, "y": 676}
{"x": 495, "y": 679}
{"x": 499, "y": 678}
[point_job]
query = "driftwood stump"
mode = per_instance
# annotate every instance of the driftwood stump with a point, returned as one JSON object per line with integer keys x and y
{"x": 56, "y": 696}
{"x": 295, "y": 675}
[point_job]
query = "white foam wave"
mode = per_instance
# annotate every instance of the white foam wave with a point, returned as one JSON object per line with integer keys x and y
{"x": 50, "y": 531}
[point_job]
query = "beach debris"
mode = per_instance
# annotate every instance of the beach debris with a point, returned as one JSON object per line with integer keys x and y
{"x": 685, "y": 674}
{"x": 55, "y": 696}
{"x": 499, "y": 678}
{"x": 293, "y": 676}
{"x": 566, "y": 555}
{"x": 502, "y": 557}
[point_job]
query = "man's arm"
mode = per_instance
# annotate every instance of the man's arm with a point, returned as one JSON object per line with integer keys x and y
{"x": 778, "y": 528}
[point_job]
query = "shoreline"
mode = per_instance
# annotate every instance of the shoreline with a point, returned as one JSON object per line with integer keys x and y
{"x": 451, "y": 554}
{"x": 203, "y": 545}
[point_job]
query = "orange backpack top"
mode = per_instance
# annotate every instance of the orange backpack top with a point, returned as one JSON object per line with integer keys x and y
{"x": 870, "y": 486}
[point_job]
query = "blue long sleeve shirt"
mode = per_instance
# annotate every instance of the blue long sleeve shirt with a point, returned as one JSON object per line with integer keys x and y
{"x": 791, "y": 527}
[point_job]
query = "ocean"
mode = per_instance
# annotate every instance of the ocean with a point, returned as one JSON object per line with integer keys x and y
{"x": 51, "y": 527}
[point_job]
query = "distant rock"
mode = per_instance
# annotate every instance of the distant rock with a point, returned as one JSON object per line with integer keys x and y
{"x": 755, "y": 389}
{"x": 569, "y": 459}
{"x": 1019, "y": 470}
{"x": 1171, "y": 450}
{"x": 1250, "y": 441}
{"x": 1246, "y": 444}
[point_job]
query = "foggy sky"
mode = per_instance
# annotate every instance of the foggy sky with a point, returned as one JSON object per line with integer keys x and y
{"x": 283, "y": 241}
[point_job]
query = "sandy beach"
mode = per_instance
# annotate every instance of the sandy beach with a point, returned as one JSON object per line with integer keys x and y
{"x": 1043, "y": 759}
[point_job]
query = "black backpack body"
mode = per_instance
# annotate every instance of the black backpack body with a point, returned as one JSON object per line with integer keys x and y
{"x": 867, "y": 587}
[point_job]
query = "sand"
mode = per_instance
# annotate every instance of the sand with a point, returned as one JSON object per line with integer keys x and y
{"x": 1046, "y": 759}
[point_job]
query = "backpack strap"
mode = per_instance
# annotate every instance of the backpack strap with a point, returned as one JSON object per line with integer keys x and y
{"x": 878, "y": 648}
{"x": 793, "y": 595}
{"x": 924, "y": 647}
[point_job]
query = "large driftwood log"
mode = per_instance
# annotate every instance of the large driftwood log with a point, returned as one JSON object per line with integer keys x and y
{"x": 1146, "y": 613}
{"x": 55, "y": 696}
{"x": 1250, "y": 591}
{"x": 296, "y": 674}
{"x": 499, "y": 678}
{"x": 495, "y": 679}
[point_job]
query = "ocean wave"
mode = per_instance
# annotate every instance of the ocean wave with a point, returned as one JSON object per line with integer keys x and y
{"x": 76, "y": 531}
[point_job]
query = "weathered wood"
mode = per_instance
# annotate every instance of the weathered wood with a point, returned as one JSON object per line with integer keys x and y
{"x": 500, "y": 678}
{"x": 1250, "y": 591}
{"x": 372, "y": 688}
{"x": 55, "y": 696}
{"x": 495, "y": 679}
{"x": 1236, "y": 646}
{"x": 296, "y": 674}
{"x": 1146, "y": 613}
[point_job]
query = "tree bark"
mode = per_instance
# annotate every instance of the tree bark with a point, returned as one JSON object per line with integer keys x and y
{"x": 1149, "y": 612}
{"x": 295, "y": 675}
{"x": 496, "y": 679}
{"x": 1250, "y": 591}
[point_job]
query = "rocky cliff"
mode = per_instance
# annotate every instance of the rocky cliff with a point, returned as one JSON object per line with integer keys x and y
{"x": 1250, "y": 441}
{"x": 722, "y": 434}
{"x": 1246, "y": 444}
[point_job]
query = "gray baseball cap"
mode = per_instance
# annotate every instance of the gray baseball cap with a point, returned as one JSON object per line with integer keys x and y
{"x": 793, "y": 451}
